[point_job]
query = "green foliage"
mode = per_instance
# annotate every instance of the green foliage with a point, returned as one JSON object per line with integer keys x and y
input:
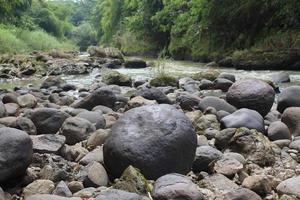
{"x": 85, "y": 36}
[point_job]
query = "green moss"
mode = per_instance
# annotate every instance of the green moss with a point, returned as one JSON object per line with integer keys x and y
{"x": 164, "y": 80}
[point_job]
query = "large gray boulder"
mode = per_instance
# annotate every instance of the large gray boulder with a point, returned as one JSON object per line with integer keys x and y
{"x": 176, "y": 186}
{"x": 48, "y": 120}
{"x": 100, "y": 96}
{"x": 15, "y": 153}
{"x": 157, "y": 139}
{"x": 252, "y": 94}
{"x": 244, "y": 118}
{"x": 289, "y": 97}
{"x": 290, "y": 186}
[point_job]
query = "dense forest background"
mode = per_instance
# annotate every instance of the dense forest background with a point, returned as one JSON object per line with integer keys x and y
{"x": 182, "y": 29}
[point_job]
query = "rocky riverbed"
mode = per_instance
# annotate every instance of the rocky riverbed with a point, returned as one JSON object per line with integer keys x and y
{"x": 210, "y": 135}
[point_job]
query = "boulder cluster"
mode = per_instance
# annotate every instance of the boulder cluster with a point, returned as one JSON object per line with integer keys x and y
{"x": 206, "y": 137}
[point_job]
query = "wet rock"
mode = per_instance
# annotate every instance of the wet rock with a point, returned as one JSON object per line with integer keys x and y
{"x": 241, "y": 194}
{"x": 289, "y": 97}
{"x": 144, "y": 134}
{"x": 62, "y": 190}
{"x": 291, "y": 117}
{"x": 217, "y": 103}
{"x": 48, "y": 143}
{"x": 278, "y": 131}
{"x": 290, "y": 186}
{"x": 52, "y": 81}
{"x": 175, "y": 186}
{"x": 47, "y": 120}
{"x": 15, "y": 153}
{"x": 153, "y": 94}
{"x": 252, "y": 94}
{"x": 96, "y": 118}
{"x": 244, "y": 118}
{"x": 112, "y": 194}
{"x": 100, "y": 96}
{"x": 205, "y": 157}
{"x": 25, "y": 124}
{"x": 39, "y": 187}
{"x": 116, "y": 78}
{"x": 135, "y": 63}
{"x": 76, "y": 129}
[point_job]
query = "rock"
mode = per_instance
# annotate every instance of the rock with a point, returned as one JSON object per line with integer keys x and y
{"x": 27, "y": 101}
{"x": 228, "y": 167}
{"x": 10, "y": 98}
{"x": 25, "y": 124}
{"x": 153, "y": 94}
{"x": 230, "y": 77}
{"x": 116, "y": 78}
{"x": 260, "y": 184}
{"x": 96, "y": 118}
{"x": 76, "y": 129}
{"x": 103, "y": 109}
{"x": 205, "y": 157}
{"x": 164, "y": 80}
{"x": 206, "y": 121}
{"x": 109, "y": 52}
{"x": 2, "y": 110}
{"x": 100, "y": 96}
{"x": 191, "y": 86}
{"x": 241, "y": 194}
{"x": 68, "y": 87}
{"x": 244, "y": 118}
{"x": 48, "y": 143}
{"x": 52, "y": 81}
{"x": 222, "y": 84}
{"x": 289, "y": 97}
{"x": 95, "y": 155}
{"x": 135, "y": 63}
{"x": 50, "y": 197}
{"x": 113, "y": 194}
{"x": 272, "y": 116}
{"x": 93, "y": 175}
{"x": 86, "y": 193}
{"x": 75, "y": 186}
{"x": 290, "y": 186}
{"x": 9, "y": 121}
{"x": 133, "y": 181}
{"x": 97, "y": 138}
{"x": 188, "y": 101}
{"x": 144, "y": 134}
{"x": 62, "y": 190}
{"x": 140, "y": 101}
{"x": 281, "y": 77}
{"x": 295, "y": 145}
{"x": 206, "y": 84}
{"x": 48, "y": 120}
{"x": 252, "y": 94}
{"x": 254, "y": 146}
{"x": 39, "y": 187}
{"x": 291, "y": 117}
{"x": 175, "y": 186}
{"x": 217, "y": 103}
{"x": 223, "y": 138}
{"x": 15, "y": 153}
{"x": 278, "y": 131}
{"x": 210, "y": 74}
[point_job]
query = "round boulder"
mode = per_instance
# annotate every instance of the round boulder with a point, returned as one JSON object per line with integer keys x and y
{"x": 291, "y": 117}
{"x": 278, "y": 131}
{"x": 157, "y": 139}
{"x": 15, "y": 153}
{"x": 252, "y": 94}
{"x": 289, "y": 97}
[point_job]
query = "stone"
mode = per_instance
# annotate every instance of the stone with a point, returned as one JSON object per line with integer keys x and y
{"x": 210, "y": 74}
{"x": 278, "y": 131}
{"x": 11, "y": 109}
{"x": 252, "y": 94}
{"x": 289, "y": 97}
{"x": 222, "y": 84}
{"x": 223, "y": 138}
{"x": 3, "y": 112}
{"x": 153, "y": 137}
{"x": 113, "y": 194}
{"x": 164, "y": 80}
{"x": 244, "y": 118}
{"x": 140, "y": 101}
{"x": 188, "y": 101}
{"x": 96, "y": 118}
{"x": 93, "y": 175}
{"x": 48, "y": 120}
{"x": 135, "y": 63}
{"x": 295, "y": 145}
{"x": 230, "y": 77}
{"x": 228, "y": 167}
{"x": 62, "y": 190}
{"x": 52, "y": 81}
{"x": 205, "y": 157}
{"x": 86, "y": 193}
{"x": 27, "y": 101}
{"x": 95, "y": 155}
{"x": 291, "y": 117}
{"x": 39, "y": 187}
{"x": 206, "y": 121}
{"x": 241, "y": 194}
{"x": 234, "y": 155}
{"x": 260, "y": 184}
{"x": 50, "y": 197}
{"x": 10, "y": 98}
{"x": 100, "y": 96}
{"x": 48, "y": 143}
{"x": 116, "y": 78}
{"x": 153, "y": 94}
{"x": 175, "y": 186}
{"x": 15, "y": 153}
{"x": 75, "y": 186}
{"x": 217, "y": 103}
{"x": 76, "y": 129}
{"x": 25, "y": 124}
{"x": 97, "y": 138}
{"x": 280, "y": 77}
{"x": 290, "y": 186}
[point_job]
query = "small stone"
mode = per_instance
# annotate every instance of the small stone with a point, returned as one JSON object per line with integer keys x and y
{"x": 228, "y": 167}
{"x": 62, "y": 190}
{"x": 27, "y": 101}
{"x": 75, "y": 186}
{"x": 39, "y": 187}
{"x": 48, "y": 143}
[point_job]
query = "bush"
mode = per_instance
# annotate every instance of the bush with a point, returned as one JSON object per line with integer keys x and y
{"x": 10, "y": 43}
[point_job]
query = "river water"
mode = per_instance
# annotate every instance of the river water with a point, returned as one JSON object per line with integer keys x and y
{"x": 176, "y": 68}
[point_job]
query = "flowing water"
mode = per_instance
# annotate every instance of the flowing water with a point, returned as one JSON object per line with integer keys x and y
{"x": 176, "y": 68}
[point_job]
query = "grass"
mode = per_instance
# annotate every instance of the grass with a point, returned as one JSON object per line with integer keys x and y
{"x": 160, "y": 75}
{"x": 16, "y": 40}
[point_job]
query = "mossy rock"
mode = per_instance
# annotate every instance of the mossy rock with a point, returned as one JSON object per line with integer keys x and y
{"x": 132, "y": 180}
{"x": 204, "y": 122}
{"x": 116, "y": 78}
{"x": 164, "y": 80}
{"x": 210, "y": 74}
